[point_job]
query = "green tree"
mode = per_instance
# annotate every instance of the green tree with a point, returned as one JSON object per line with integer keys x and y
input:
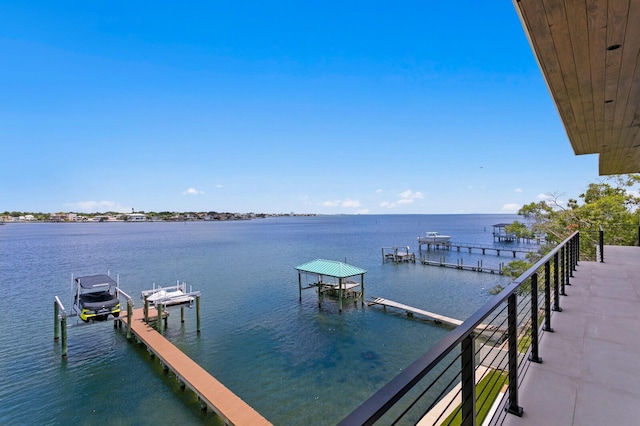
{"x": 611, "y": 204}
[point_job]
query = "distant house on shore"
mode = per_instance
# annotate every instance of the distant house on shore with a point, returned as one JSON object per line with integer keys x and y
{"x": 136, "y": 217}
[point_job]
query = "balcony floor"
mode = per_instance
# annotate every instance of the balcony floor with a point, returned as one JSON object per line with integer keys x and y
{"x": 590, "y": 374}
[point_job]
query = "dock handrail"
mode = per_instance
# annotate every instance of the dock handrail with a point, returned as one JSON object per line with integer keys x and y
{"x": 459, "y": 344}
{"x": 62, "y": 310}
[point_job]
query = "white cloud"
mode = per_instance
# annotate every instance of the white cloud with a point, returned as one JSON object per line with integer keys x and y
{"x": 97, "y": 206}
{"x": 517, "y": 190}
{"x": 511, "y": 207}
{"x": 405, "y": 201}
{"x": 219, "y": 185}
{"x": 192, "y": 191}
{"x": 331, "y": 203}
{"x": 378, "y": 191}
{"x": 387, "y": 205}
{"x": 410, "y": 195}
{"x": 544, "y": 197}
{"x": 363, "y": 211}
{"x": 351, "y": 203}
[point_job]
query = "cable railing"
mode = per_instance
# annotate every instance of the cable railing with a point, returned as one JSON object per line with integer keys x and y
{"x": 472, "y": 375}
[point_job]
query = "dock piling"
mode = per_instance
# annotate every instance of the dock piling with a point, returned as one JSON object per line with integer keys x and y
{"x": 159, "y": 325}
{"x": 63, "y": 327}
{"x": 56, "y": 313}
{"x": 129, "y": 313}
{"x": 198, "y": 313}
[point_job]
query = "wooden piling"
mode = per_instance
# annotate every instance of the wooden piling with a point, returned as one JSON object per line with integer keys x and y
{"x": 63, "y": 330}
{"x": 129, "y": 313}
{"x": 159, "y": 322}
{"x": 56, "y": 313}
{"x": 198, "y": 313}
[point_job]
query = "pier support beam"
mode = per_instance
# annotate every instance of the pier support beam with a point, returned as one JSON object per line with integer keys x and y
{"x": 129, "y": 315}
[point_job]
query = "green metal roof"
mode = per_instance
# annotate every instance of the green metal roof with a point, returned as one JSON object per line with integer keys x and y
{"x": 330, "y": 268}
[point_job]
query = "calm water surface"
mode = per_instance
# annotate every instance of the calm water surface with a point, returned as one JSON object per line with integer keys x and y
{"x": 294, "y": 363}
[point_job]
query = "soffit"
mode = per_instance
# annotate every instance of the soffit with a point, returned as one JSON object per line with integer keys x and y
{"x": 589, "y": 54}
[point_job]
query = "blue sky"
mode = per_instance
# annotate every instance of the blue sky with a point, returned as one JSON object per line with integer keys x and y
{"x": 308, "y": 107}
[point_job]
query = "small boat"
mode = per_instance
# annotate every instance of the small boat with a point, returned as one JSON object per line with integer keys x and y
{"x": 96, "y": 298}
{"x": 432, "y": 237}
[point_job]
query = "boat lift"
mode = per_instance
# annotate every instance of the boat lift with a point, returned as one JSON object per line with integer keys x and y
{"x": 162, "y": 298}
{"x": 60, "y": 316}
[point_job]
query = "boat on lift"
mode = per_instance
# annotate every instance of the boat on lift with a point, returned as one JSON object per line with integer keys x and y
{"x": 432, "y": 237}
{"x": 169, "y": 296}
{"x": 96, "y": 298}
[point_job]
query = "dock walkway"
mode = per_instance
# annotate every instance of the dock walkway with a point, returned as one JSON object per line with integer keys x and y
{"x": 232, "y": 409}
{"x": 436, "y": 318}
{"x": 460, "y": 265}
{"x": 409, "y": 309}
{"x": 484, "y": 248}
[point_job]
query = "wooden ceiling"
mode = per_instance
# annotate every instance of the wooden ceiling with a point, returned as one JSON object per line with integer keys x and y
{"x": 589, "y": 54}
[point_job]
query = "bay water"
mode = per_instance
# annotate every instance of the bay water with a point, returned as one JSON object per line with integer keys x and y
{"x": 294, "y": 362}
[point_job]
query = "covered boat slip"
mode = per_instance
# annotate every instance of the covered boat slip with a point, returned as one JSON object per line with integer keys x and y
{"x": 333, "y": 278}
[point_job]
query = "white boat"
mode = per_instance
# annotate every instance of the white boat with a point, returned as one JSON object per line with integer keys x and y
{"x": 432, "y": 237}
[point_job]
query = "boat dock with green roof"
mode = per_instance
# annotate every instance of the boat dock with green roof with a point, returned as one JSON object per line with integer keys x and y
{"x": 333, "y": 278}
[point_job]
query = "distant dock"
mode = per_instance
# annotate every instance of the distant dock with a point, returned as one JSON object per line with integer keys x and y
{"x": 478, "y": 267}
{"x": 483, "y": 248}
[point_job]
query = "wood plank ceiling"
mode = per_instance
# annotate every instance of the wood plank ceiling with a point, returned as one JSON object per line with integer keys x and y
{"x": 589, "y": 54}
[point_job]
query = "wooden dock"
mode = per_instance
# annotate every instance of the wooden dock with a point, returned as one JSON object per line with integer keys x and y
{"x": 460, "y": 265}
{"x": 217, "y": 397}
{"x": 436, "y": 318}
{"x": 484, "y": 248}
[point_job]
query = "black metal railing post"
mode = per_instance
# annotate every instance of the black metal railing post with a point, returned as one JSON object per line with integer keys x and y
{"x": 572, "y": 253}
{"x": 601, "y": 244}
{"x": 512, "y": 320}
{"x": 556, "y": 285}
{"x": 561, "y": 271}
{"x": 547, "y": 298}
{"x": 468, "y": 382}
{"x": 566, "y": 265}
{"x": 534, "y": 356}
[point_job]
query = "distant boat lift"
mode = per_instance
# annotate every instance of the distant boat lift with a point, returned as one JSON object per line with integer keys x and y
{"x": 398, "y": 254}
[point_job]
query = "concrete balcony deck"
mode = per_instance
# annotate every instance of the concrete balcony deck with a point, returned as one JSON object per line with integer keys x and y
{"x": 590, "y": 373}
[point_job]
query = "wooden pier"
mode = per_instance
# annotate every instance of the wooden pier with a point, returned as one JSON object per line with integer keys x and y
{"x": 478, "y": 267}
{"x": 436, "y": 318}
{"x": 217, "y": 397}
{"x": 483, "y": 248}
